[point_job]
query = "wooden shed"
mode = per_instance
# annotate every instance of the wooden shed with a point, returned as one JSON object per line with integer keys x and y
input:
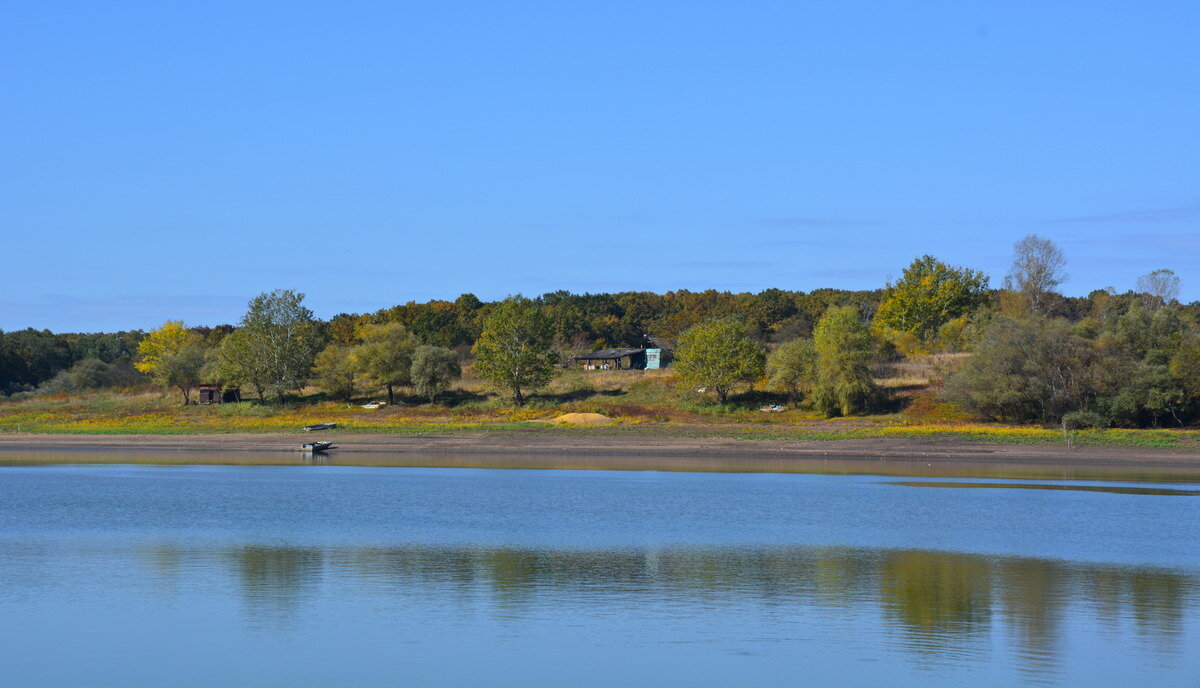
{"x": 215, "y": 394}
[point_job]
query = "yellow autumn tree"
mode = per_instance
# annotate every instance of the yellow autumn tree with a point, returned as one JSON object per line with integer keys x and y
{"x": 161, "y": 344}
{"x": 173, "y": 355}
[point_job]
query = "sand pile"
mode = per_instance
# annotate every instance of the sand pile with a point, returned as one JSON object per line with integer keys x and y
{"x": 584, "y": 419}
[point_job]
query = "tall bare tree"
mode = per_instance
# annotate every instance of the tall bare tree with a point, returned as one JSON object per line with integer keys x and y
{"x": 1036, "y": 271}
{"x": 1162, "y": 286}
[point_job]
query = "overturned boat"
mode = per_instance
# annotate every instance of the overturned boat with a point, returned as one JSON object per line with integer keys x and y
{"x": 316, "y": 446}
{"x": 320, "y": 426}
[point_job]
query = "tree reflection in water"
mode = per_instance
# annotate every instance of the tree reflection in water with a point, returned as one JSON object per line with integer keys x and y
{"x": 944, "y": 606}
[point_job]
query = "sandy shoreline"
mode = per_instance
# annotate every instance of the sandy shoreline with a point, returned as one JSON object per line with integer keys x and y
{"x": 905, "y": 449}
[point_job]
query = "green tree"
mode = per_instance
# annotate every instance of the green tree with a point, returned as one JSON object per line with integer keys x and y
{"x": 184, "y": 370}
{"x": 1138, "y": 362}
{"x": 336, "y": 371}
{"x": 845, "y": 350}
{"x": 385, "y": 355}
{"x": 235, "y": 363}
{"x": 467, "y": 308}
{"x": 792, "y": 368}
{"x": 438, "y": 325}
{"x": 514, "y": 349}
{"x": 281, "y": 340}
{"x": 928, "y": 295}
{"x": 718, "y": 354}
{"x": 433, "y": 369}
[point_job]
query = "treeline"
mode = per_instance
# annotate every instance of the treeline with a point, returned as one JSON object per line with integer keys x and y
{"x": 33, "y": 358}
{"x": 1109, "y": 358}
{"x": 596, "y": 321}
{"x": 578, "y": 322}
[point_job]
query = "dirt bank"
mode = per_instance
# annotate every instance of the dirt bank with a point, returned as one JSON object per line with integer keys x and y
{"x": 581, "y": 444}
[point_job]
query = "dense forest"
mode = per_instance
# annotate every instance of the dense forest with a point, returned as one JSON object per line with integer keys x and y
{"x": 1109, "y": 358}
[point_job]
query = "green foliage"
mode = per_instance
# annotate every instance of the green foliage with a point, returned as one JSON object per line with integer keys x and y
{"x": 109, "y": 347}
{"x": 845, "y": 350}
{"x": 1142, "y": 376}
{"x": 433, "y": 369}
{"x": 1027, "y": 369}
{"x": 30, "y": 357}
{"x": 1129, "y": 364}
{"x": 792, "y": 368}
{"x": 183, "y": 369}
{"x": 719, "y": 354}
{"x": 1185, "y": 364}
{"x": 1075, "y": 421}
{"x": 337, "y": 372}
{"x": 928, "y": 296}
{"x": 236, "y": 363}
{"x": 514, "y": 349}
{"x": 1083, "y": 420}
{"x": 625, "y": 318}
{"x": 281, "y": 340}
{"x": 385, "y": 355}
{"x": 439, "y": 325}
{"x": 93, "y": 373}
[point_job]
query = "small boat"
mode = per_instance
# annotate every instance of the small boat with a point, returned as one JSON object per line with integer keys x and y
{"x": 374, "y": 404}
{"x": 316, "y": 446}
{"x": 320, "y": 426}
{"x": 773, "y": 408}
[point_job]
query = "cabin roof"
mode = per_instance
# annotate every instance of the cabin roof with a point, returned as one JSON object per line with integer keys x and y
{"x": 608, "y": 354}
{"x": 660, "y": 342}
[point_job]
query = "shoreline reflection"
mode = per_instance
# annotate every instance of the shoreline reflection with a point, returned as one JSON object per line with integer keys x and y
{"x": 937, "y": 607}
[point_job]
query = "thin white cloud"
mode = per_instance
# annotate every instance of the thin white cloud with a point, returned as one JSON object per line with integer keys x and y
{"x": 1144, "y": 216}
{"x": 726, "y": 264}
{"x": 812, "y": 222}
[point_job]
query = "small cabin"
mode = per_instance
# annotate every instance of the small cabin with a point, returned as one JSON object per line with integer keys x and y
{"x": 614, "y": 359}
{"x": 659, "y": 352}
{"x": 655, "y": 353}
{"x": 216, "y": 394}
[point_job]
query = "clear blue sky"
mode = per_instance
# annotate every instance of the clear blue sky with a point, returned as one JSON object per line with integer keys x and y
{"x": 174, "y": 159}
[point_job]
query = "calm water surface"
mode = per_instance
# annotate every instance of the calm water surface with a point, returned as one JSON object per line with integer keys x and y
{"x": 141, "y": 575}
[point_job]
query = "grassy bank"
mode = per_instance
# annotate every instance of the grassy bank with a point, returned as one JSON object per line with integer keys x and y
{"x": 640, "y": 404}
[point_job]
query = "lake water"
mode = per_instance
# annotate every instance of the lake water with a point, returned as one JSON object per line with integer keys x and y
{"x": 188, "y": 575}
